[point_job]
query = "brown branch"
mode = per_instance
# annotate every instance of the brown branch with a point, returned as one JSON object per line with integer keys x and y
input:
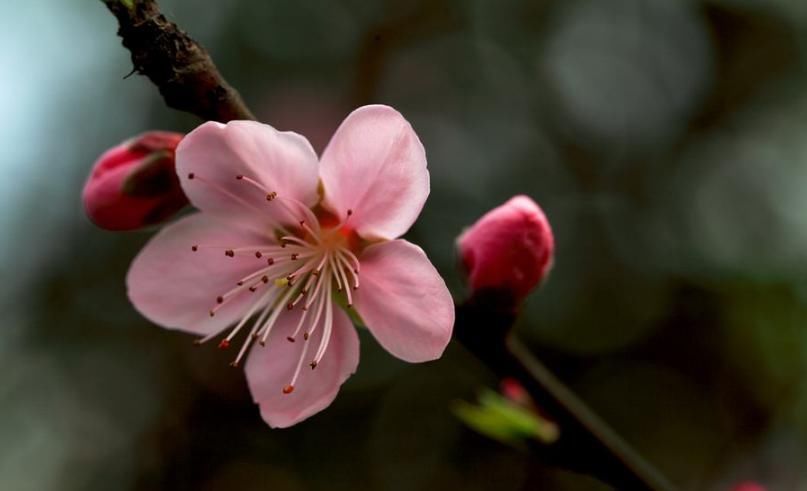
{"x": 586, "y": 443}
{"x": 179, "y": 66}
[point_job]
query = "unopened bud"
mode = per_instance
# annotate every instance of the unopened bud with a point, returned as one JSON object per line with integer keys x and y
{"x": 748, "y": 486}
{"x": 135, "y": 184}
{"x": 509, "y": 250}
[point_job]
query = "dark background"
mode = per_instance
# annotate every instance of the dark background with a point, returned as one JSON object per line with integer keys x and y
{"x": 666, "y": 140}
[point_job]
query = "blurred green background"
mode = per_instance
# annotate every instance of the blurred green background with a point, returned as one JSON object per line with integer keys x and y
{"x": 666, "y": 140}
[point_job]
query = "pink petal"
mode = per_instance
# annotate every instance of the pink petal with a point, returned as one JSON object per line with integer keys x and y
{"x": 175, "y": 287}
{"x": 404, "y": 301}
{"x": 214, "y": 154}
{"x": 269, "y": 369}
{"x": 375, "y": 166}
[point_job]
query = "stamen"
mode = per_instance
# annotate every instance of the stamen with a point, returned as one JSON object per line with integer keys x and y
{"x": 346, "y": 265}
{"x": 291, "y": 238}
{"x": 332, "y": 264}
{"x": 353, "y": 259}
{"x": 308, "y": 229}
{"x": 214, "y": 185}
{"x": 326, "y": 334}
{"x": 347, "y": 289}
{"x": 275, "y": 314}
{"x": 255, "y": 305}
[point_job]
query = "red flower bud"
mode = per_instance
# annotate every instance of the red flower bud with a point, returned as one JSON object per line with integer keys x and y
{"x": 510, "y": 249}
{"x": 748, "y": 486}
{"x": 135, "y": 184}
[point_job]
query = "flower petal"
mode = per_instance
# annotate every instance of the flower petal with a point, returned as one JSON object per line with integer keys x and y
{"x": 175, "y": 287}
{"x": 214, "y": 154}
{"x": 375, "y": 166}
{"x": 404, "y": 301}
{"x": 269, "y": 369}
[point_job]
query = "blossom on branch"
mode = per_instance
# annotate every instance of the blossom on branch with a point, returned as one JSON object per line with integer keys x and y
{"x": 284, "y": 240}
{"x": 509, "y": 250}
{"x": 135, "y": 184}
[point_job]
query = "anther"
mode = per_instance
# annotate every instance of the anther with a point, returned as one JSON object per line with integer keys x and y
{"x": 349, "y": 212}
{"x": 294, "y": 256}
{"x": 191, "y": 175}
{"x": 224, "y": 344}
{"x": 239, "y": 177}
{"x": 265, "y": 279}
{"x": 271, "y": 196}
{"x": 270, "y": 261}
{"x": 212, "y": 313}
{"x": 219, "y": 299}
{"x": 313, "y": 364}
{"x": 290, "y": 339}
{"x": 288, "y": 389}
{"x": 194, "y": 248}
{"x": 305, "y": 336}
{"x": 234, "y": 364}
{"x": 258, "y": 254}
{"x": 253, "y": 288}
{"x": 229, "y": 253}
{"x": 289, "y": 306}
{"x": 240, "y": 283}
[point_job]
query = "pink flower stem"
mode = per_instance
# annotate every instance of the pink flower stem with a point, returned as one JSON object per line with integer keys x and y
{"x": 586, "y": 444}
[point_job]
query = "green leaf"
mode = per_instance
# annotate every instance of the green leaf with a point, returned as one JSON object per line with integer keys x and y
{"x": 505, "y": 421}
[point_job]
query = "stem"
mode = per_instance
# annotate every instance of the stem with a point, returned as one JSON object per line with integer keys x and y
{"x": 179, "y": 66}
{"x": 586, "y": 443}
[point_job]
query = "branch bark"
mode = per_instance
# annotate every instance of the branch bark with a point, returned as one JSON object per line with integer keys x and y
{"x": 586, "y": 443}
{"x": 178, "y": 65}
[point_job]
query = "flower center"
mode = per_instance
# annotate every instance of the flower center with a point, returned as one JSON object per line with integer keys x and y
{"x": 298, "y": 267}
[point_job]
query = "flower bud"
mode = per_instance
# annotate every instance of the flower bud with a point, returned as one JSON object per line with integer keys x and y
{"x": 748, "y": 486}
{"x": 135, "y": 184}
{"x": 509, "y": 250}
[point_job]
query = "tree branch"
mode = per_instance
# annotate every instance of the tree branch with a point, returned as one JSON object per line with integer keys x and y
{"x": 179, "y": 66}
{"x": 586, "y": 443}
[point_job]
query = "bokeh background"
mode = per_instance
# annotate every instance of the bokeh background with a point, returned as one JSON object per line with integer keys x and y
{"x": 666, "y": 140}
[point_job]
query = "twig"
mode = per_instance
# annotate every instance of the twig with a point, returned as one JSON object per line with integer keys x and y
{"x": 179, "y": 66}
{"x": 586, "y": 443}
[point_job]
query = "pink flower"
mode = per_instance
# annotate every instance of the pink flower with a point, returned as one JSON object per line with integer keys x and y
{"x": 134, "y": 184}
{"x": 509, "y": 249}
{"x": 282, "y": 240}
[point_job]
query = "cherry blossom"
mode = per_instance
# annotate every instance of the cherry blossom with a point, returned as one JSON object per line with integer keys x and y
{"x": 284, "y": 242}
